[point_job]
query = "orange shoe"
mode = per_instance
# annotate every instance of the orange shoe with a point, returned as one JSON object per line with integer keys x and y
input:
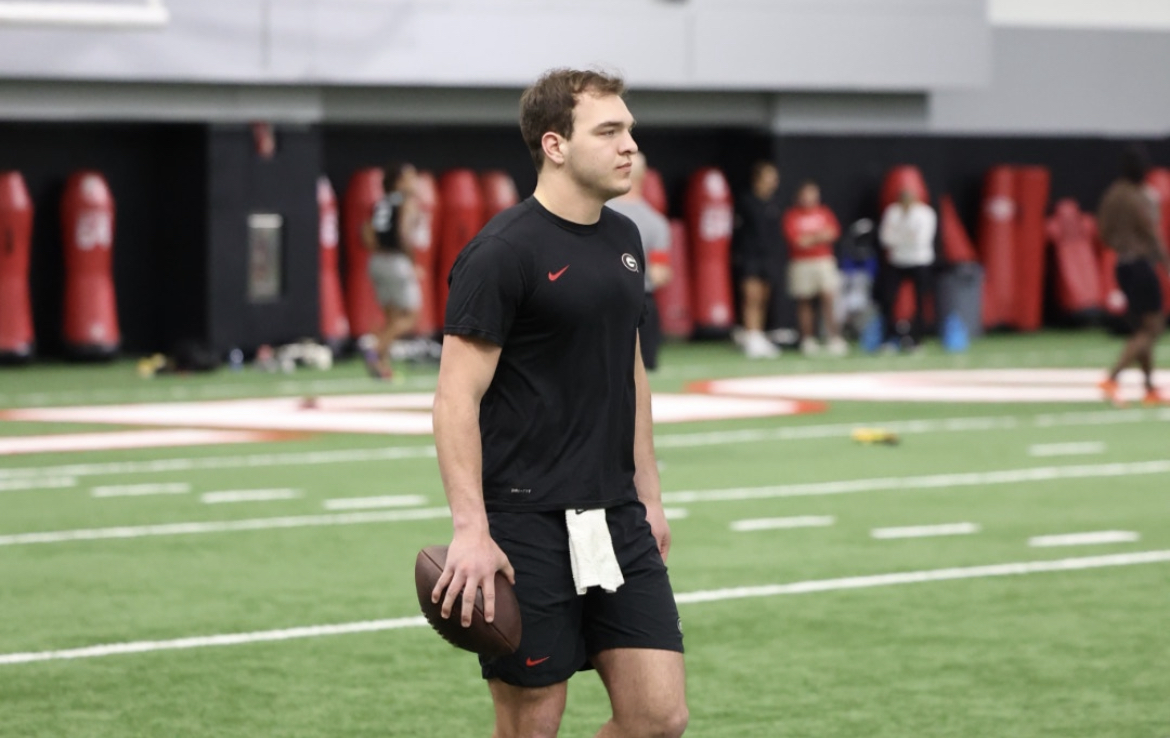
{"x": 1111, "y": 391}
{"x": 1153, "y": 397}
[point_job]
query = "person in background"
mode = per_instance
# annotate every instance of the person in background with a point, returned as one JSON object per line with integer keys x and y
{"x": 907, "y": 236}
{"x": 391, "y": 265}
{"x": 655, "y": 232}
{"x": 1128, "y": 222}
{"x": 756, "y": 245}
{"x": 812, "y": 230}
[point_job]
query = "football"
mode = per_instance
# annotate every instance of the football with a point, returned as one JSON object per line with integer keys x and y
{"x": 498, "y": 638}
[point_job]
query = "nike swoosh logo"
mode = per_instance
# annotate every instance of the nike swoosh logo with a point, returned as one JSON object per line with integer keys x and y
{"x": 554, "y": 276}
{"x": 533, "y": 662}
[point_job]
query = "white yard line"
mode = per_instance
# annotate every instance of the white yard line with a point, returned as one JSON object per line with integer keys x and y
{"x": 935, "y": 575}
{"x": 803, "y": 521}
{"x": 676, "y": 513}
{"x": 716, "y": 595}
{"x": 223, "y": 526}
{"x": 810, "y": 489}
{"x": 1081, "y": 448}
{"x": 372, "y": 503}
{"x": 47, "y": 482}
{"x": 929, "y": 481}
{"x": 664, "y": 441}
{"x": 1084, "y": 539}
{"x": 251, "y": 461}
{"x": 140, "y": 490}
{"x": 926, "y": 531}
{"x": 248, "y": 495}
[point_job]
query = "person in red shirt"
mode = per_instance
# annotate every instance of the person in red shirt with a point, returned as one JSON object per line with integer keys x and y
{"x": 812, "y": 230}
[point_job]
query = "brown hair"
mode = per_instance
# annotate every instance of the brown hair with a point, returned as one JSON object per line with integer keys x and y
{"x": 548, "y": 104}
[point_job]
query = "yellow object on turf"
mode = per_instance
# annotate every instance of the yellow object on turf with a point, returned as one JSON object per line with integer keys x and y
{"x": 869, "y": 436}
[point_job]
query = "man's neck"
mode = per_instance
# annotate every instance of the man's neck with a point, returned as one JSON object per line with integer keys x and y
{"x": 564, "y": 199}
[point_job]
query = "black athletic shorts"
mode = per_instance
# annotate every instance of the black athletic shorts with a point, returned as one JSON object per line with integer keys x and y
{"x": 563, "y": 629}
{"x": 1140, "y": 284}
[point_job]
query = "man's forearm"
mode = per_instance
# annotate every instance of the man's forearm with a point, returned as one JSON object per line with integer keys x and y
{"x": 646, "y": 480}
{"x": 458, "y": 445}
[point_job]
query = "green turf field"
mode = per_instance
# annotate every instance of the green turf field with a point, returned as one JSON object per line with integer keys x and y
{"x": 1075, "y": 648}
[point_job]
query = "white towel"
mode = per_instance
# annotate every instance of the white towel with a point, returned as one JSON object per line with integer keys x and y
{"x": 591, "y": 551}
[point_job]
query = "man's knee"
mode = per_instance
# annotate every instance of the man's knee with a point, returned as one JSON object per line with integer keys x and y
{"x": 522, "y": 713}
{"x": 662, "y": 721}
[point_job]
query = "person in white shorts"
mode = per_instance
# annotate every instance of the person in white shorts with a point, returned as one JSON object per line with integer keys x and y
{"x": 812, "y": 230}
{"x": 391, "y": 265}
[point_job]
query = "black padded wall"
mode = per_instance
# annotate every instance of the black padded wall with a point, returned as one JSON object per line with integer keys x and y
{"x": 239, "y": 183}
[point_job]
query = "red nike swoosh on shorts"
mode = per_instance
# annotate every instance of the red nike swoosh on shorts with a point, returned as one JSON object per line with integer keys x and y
{"x": 531, "y": 661}
{"x": 554, "y": 276}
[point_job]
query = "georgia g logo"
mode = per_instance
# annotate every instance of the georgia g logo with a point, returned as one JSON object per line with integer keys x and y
{"x": 629, "y": 262}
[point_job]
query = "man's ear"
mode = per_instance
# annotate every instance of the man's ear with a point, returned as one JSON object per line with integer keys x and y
{"x": 554, "y": 147}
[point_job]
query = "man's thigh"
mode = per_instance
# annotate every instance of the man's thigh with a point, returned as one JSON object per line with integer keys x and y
{"x": 552, "y": 648}
{"x": 642, "y": 613}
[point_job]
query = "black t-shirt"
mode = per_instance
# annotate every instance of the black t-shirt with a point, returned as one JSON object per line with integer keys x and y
{"x": 387, "y": 213}
{"x": 564, "y": 301}
{"x": 758, "y": 235}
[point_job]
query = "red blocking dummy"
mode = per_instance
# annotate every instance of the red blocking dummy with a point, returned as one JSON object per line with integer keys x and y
{"x": 1077, "y": 272}
{"x": 904, "y": 177}
{"x": 422, "y": 241}
{"x": 674, "y": 298}
{"x": 654, "y": 191}
{"x": 460, "y": 219}
{"x": 90, "y": 316}
{"x": 709, "y": 222}
{"x": 498, "y": 194}
{"x": 956, "y": 244}
{"x": 997, "y": 235}
{"x": 361, "y": 302}
{"x": 16, "y": 218}
{"x": 334, "y": 324}
{"x": 1032, "y": 185}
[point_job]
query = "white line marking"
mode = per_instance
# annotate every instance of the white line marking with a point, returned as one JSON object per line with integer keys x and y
{"x": 223, "y": 526}
{"x": 1084, "y": 539}
{"x": 248, "y": 495}
{"x": 1085, "y": 448}
{"x": 676, "y": 513}
{"x": 231, "y": 639}
{"x": 930, "y": 481}
{"x": 139, "y": 490}
{"x": 935, "y": 575}
{"x": 926, "y": 531}
{"x": 371, "y": 503}
{"x": 252, "y": 461}
{"x": 771, "y": 590}
{"x": 120, "y": 440}
{"x": 804, "y": 521}
{"x": 16, "y": 485}
{"x": 670, "y": 440}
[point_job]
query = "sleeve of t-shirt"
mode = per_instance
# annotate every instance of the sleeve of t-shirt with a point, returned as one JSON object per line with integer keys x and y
{"x": 791, "y": 232}
{"x": 487, "y": 287}
{"x": 657, "y": 241}
{"x": 833, "y": 223}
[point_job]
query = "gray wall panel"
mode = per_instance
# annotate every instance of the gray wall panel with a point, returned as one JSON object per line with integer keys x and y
{"x": 741, "y": 44}
{"x": 1066, "y": 82}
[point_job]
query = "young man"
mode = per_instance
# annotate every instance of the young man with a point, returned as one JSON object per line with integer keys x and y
{"x": 1128, "y": 222}
{"x": 543, "y": 431}
{"x": 757, "y": 244}
{"x": 907, "y": 235}
{"x": 654, "y": 229}
{"x": 812, "y": 230}
{"x": 391, "y": 265}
